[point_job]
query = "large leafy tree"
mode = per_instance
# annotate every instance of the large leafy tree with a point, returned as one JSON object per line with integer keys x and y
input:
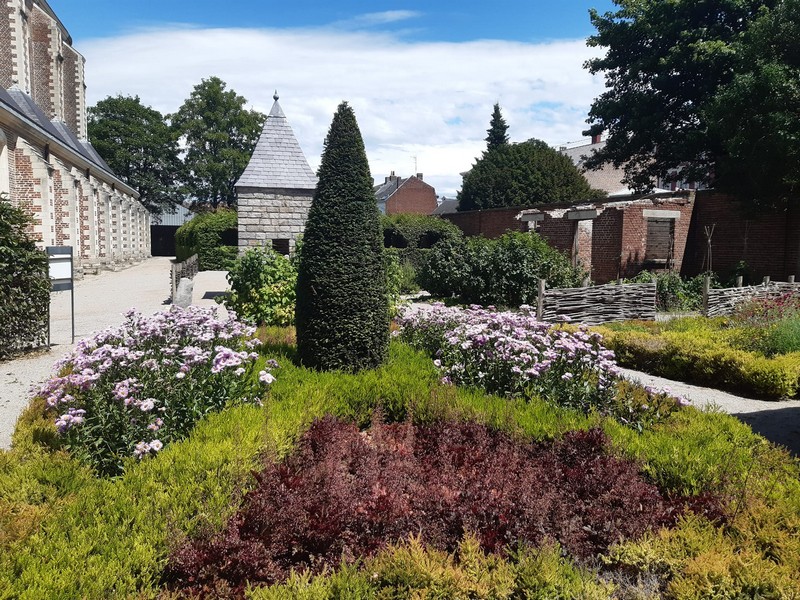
{"x": 695, "y": 84}
{"x": 219, "y": 135}
{"x": 342, "y": 312}
{"x": 497, "y": 134}
{"x": 521, "y": 175}
{"x": 140, "y": 148}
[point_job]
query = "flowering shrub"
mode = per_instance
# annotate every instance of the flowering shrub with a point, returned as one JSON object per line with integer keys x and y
{"x": 129, "y": 390}
{"x": 515, "y": 355}
{"x": 766, "y": 311}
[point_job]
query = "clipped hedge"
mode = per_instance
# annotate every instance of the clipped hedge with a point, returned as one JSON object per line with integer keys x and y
{"x": 503, "y": 271}
{"x": 413, "y": 235}
{"x": 212, "y": 236}
{"x": 342, "y": 309}
{"x": 24, "y": 285}
{"x": 703, "y": 357}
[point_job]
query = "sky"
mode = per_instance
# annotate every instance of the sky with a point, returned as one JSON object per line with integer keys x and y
{"x": 422, "y": 77}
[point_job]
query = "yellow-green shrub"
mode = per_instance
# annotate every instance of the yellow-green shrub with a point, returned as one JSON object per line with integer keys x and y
{"x": 409, "y": 570}
{"x": 701, "y": 355}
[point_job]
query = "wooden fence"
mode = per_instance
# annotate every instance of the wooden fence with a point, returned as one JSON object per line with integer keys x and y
{"x": 597, "y": 304}
{"x": 187, "y": 268}
{"x": 723, "y": 301}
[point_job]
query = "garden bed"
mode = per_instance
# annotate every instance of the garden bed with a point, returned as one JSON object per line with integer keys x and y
{"x": 756, "y": 352}
{"x": 68, "y": 533}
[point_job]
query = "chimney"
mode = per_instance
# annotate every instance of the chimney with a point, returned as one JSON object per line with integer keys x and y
{"x": 419, "y": 176}
{"x": 596, "y": 138}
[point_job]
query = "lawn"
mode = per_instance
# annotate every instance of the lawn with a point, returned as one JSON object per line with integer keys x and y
{"x": 411, "y": 480}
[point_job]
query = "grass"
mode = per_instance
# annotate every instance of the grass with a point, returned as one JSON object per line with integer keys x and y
{"x": 67, "y": 534}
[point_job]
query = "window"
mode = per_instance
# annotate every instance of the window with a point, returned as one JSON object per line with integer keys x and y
{"x": 660, "y": 239}
{"x": 281, "y": 246}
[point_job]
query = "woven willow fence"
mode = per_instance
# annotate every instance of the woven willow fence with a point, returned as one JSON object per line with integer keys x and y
{"x": 723, "y": 301}
{"x": 597, "y": 304}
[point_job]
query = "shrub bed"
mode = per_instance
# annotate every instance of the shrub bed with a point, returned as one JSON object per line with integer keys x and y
{"x": 128, "y": 391}
{"x": 344, "y": 494}
{"x": 67, "y": 534}
{"x": 704, "y": 351}
{"x": 503, "y": 271}
{"x": 515, "y": 355}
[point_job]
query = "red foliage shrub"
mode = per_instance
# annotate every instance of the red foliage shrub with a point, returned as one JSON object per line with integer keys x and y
{"x": 345, "y": 494}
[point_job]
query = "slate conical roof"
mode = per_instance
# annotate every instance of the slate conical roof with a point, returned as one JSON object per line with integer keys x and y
{"x": 278, "y": 161}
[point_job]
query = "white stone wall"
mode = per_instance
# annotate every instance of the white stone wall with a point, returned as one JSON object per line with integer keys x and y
{"x": 267, "y": 215}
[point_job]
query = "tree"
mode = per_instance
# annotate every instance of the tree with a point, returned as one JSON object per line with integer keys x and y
{"x": 140, "y": 148}
{"x": 755, "y": 116}
{"x": 219, "y": 135}
{"x": 498, "y": 130}
{"x": 521, "y": 175}
{"x": 342, "y": 313}
{"x": 682, "y": 78}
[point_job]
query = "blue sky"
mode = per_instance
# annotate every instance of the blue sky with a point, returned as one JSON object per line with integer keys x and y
{"x": 421, "y": 76}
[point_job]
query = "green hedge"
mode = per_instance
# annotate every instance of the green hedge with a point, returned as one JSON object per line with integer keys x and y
{"x": 702, "y": 356}
{"x": 24, "y": 285}
{"x": 210, "y": 235}
{"x": 415, "y": 235}
{"x": 502, "y": 272}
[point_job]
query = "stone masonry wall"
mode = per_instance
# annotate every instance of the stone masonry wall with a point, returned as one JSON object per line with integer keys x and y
{"x": 268, "y": 215}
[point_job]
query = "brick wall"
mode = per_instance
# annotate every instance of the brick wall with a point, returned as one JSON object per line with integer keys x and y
{"x": 413, "y": 196}
{"x": 767, "y": 241}
{"x": 267, "y": 215}
{"x": 491, "y": 223}
{"x": 6, "y": 45}
{"x": 69, "y": 87}
{"x": 41, "y": 64}
{"x": 606, "y": 245}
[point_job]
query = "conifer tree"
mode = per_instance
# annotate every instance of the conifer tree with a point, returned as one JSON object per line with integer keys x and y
{"x": 498, "y": 130}
{"x": 342, "y": 313}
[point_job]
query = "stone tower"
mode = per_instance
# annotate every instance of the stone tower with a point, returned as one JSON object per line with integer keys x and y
{"x": 274, "y": 192}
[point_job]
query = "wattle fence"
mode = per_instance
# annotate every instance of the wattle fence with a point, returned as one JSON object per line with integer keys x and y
{"x": 597, "y": 304}
{"x": 722, "y": 301}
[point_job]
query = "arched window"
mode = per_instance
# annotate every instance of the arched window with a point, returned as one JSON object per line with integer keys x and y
{"x": 5, "y": 178}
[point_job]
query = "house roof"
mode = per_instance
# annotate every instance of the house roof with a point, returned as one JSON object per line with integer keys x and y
{"x": 277, "y": 160}
{"x": 385, "y": 190}
{"x": 608, "y": 178}
{"x": 448, "y": 206}
{"x": 19, "y": 104}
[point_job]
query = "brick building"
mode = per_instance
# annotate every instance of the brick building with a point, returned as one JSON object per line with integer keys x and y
{"x": 275, "y": 190}
{"x": 47, "y": 165}
{"x": 410, "y": 195}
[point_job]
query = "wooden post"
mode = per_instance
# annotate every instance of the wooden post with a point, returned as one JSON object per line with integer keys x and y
{"x": 540, "y": 300}
{"x": 586, "y": 281}
{"x": 790, "y": 279}
{"x": 739, "y": 280}
{"x": 706, "y": 287}
{"x": 766, "y": 280}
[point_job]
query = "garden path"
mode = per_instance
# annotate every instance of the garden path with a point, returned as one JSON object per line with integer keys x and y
{"x": 100, "y": 301}
{"x": 778, "y": 421}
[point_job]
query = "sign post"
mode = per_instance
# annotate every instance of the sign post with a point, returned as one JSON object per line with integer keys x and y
{"x": 59, "y": 260}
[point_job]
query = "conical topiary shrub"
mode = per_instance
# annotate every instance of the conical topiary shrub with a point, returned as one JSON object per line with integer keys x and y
{"x": 342, "y": 313}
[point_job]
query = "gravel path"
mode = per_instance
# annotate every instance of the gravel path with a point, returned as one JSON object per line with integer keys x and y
{"x": 100, "y": 301}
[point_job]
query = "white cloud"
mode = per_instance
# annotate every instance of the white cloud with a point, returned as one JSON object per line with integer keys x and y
{"x": 429, "y": 100}
{"x": 379, "y": 18}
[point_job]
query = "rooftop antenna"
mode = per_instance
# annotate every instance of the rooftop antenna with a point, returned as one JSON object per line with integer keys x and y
{"x": 415, "y": 163}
